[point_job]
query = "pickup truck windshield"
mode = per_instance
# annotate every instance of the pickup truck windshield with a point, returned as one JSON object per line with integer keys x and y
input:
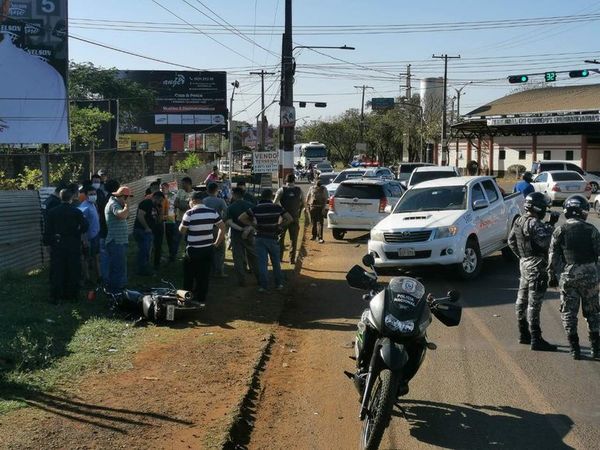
{"x": 433, "y": 199}
{"x": 419, "y": 177}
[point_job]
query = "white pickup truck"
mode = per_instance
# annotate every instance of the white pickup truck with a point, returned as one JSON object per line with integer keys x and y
{"x": 451, "y": 221}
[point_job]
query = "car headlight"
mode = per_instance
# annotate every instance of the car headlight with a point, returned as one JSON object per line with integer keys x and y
{"x": 377, "y": 235}
{"x": 403, "y": 326}
{"x": 444, "y": 232}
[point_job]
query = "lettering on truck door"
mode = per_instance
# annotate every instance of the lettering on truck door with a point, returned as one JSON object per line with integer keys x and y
{"x": 497, "y": 211}
{"x": 483, "y": 220}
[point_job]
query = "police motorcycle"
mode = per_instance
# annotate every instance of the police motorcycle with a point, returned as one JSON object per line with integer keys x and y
{"x": 391, "y": 342}
{"x": 159, "y": 304}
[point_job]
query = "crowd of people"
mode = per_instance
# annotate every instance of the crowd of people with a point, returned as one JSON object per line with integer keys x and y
{"x": 86, "y": 229}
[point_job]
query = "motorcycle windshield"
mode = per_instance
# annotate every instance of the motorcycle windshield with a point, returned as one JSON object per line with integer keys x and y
{"x": 406, "y": 299}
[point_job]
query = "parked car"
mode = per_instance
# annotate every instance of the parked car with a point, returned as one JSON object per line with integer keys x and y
{"x": 323, "y": 167}
{"x": 406, "y": 169}
{"x": 379, "y": 172}
{"x": 326, "y": 178}
{"x": 427, "y": 173}
{"x": 548, "y": 165}
{"x": 360, "y": 204}
{"x": 348, "y": 174}
{"x": 453, "y": 221}
{"x": 560, "y": 184}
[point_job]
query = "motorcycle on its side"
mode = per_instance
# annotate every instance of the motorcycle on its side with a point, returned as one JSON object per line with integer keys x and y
{"x": 391, "y": 342}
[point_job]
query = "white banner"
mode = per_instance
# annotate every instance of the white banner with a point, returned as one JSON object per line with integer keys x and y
{"x": 265, "y": 162}
{"x": 547, "y": 120}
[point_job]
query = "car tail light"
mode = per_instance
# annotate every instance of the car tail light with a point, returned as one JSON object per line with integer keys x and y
{"x": 332, "y": 203}
{"x": 382, "y": 204}
{"x": 588, "y": 187}
{"x": 556, "y": 188}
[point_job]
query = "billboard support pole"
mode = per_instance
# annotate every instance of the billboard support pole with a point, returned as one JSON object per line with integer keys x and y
{"x": 92, "y": 160}
{"x": 235, "y": 84}
{"x": 44, "y": 165}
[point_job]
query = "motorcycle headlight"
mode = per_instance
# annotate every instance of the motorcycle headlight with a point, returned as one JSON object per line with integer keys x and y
{"x": 403, "y": 326}
{"x": 444, "y": 232}
{"x": 377, "y": 235}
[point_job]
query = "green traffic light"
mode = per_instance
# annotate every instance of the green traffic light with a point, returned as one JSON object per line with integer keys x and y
{"x": 584, "y": 73}
{"x": 524, "y": 78}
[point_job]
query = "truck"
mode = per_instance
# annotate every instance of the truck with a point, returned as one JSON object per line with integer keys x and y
{"x": 447, "y": 222}
{"x": 311, "y": 152}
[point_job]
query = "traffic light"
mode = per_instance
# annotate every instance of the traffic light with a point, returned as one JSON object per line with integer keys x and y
{"x": 302, "y": 104}
{"x": 320, "y": 105}
{"x": 518, "y": 79}
{"x": 550, "y": 77}
{"x": 579, "y": 73}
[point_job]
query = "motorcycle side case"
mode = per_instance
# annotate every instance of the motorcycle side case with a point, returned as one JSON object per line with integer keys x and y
{"x": 448, "y": 313}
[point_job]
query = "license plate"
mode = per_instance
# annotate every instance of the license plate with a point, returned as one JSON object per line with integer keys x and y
{"x": 572, "y": 188}
{"x": 170, "y": 312}
{"x": 356, "y": 208}
{"x": 406, "y": 252}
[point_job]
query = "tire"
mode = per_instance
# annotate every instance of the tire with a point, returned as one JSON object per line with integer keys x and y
{"x": 381, "y": 403}
{"x": 338, "y": 234}
{"x": 471, "y": 265}
{"x": 594, "y": 186}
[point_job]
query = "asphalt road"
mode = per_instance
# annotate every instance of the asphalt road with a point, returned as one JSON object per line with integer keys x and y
{"x": 479, "y": 389}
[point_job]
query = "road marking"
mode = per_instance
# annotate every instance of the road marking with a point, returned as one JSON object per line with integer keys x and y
{"x": 538, "y": 399}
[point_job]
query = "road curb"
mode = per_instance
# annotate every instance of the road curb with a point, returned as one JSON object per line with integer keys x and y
{"x": 240, "y": 429}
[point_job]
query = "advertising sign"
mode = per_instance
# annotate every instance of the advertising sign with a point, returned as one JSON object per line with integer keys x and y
{"x": 33, "y": 72}
{"x": 548, "y": 120}
{"x": 185, "y": 101}
{"x": 265, "y": 162}
{"x": 382, "y": 103}
{"x": 287, "y": 116}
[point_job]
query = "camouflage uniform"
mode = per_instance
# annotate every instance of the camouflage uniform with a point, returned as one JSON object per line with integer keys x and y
{"x": 576, "y": 244}
{"x": 530, "y": 239}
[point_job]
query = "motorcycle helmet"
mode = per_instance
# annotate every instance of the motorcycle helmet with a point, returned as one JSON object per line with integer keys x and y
{"x": 537, "y": 203}
{"x": 576, "y": 207}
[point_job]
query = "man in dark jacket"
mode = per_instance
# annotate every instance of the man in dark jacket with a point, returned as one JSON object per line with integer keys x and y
{"x": 291, "y": 199}
{"x": 63, "y": 232}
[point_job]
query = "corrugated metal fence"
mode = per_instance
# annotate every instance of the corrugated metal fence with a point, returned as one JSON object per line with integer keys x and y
{"x": 20, "y": 231}
{"x": 21, "y": 246}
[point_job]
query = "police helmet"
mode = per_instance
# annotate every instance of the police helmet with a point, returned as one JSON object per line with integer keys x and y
{"x": 576, "y": 206}
{"x": 537, "y": 203}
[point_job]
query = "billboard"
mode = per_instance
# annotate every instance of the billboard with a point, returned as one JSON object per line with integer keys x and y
{"x": 382, "y": 103}
{"x": 185, "y": 101}
{"x": 265, "y": 162}
{"x": 33, "y": 72}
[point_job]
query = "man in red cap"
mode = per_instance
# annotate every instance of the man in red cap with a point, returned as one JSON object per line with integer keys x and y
{"x": 117, "y": 238}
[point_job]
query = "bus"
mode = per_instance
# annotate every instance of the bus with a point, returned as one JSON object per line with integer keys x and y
{"x": 312, "y": 152}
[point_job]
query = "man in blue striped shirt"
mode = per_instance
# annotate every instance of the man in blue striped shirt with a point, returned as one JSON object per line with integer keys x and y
{"x": 198, "y": 225}
{"x": 269, "y": 220}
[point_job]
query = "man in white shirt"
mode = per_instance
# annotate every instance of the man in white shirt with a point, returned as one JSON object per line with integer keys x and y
{"x": 33, "y": 98}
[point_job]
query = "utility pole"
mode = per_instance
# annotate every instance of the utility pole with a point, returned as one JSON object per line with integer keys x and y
{"x": 235, "y": 85}
{"x": 408, "y": 85}
{"x": 286, "y": 133}
{"x": 362, "y": 110}
{"x": 445, "y": 57}
{"x": 262, "y": 74}
{"x": 45, "y": 165}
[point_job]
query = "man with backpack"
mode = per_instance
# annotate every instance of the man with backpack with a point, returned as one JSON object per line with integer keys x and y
{"x": 291, "y": 199}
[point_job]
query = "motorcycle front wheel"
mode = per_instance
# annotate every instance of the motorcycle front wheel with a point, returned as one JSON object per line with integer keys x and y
{"x": 381, "y": 403}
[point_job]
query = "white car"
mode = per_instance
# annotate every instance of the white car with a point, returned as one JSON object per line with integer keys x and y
{"x": 561, "y": 184}
{"x": 323, "y": 167}
{"x": 348, "y": 174}
{"x": 451, "y": 221}
{"x": 427, "y": 173}
{"x": 379, "y": 172}
{"x": 360, "y": 204}
{"x": 551, "y": 165}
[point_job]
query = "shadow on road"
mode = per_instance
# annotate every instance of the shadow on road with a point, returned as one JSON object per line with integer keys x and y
{"x": 470, "y": 426}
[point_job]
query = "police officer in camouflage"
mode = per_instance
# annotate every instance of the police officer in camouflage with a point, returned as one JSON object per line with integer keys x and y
{"x": 530, "y": 239}
{"x": 574, "y": 252}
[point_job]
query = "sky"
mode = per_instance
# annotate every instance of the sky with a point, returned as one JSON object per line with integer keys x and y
{"x": 241, "y": 36}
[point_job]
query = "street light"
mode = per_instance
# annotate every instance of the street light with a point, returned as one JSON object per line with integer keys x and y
{"x": 235, "y": 85}
{"x": 416, "y": 105}
{"x": 458, "y": 93}
{"x": 343, "y": 47}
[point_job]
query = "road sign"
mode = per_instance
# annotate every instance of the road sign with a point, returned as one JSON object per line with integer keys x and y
{"x": 382, "y": 103}
{"x": 288, "y": 116}
{"x": 265, "y": 162}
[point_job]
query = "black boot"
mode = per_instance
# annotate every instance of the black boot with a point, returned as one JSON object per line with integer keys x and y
{"x": 595, "y": 341}
{"x": 524, "y": 334}
{"x": 539, "y": 344}
{"x": 574, "y": 344}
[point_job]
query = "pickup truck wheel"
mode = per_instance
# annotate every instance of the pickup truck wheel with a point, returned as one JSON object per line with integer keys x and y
{"x": 471, "y": 265}
{"x": 338, "y": 234}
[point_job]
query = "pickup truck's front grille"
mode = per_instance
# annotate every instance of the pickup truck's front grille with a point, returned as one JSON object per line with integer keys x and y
{"x": 407, "y": 236}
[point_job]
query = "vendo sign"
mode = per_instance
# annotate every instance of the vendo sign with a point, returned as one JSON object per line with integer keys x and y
{"x": 265, "y": 162}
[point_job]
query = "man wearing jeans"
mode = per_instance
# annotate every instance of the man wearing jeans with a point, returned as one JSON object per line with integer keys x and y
{"x": 110, "y": 186}
{"x": 144, "y": 230}
{"x": 269, "y": 219}
{"x": 242, "y": 238}
{"x": 198, "y": 225}
{"x": 117, "y": 239}
{"x": 290, "y": 197}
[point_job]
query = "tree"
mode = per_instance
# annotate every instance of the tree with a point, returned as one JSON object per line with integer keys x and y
{"x": 85, "y": 124}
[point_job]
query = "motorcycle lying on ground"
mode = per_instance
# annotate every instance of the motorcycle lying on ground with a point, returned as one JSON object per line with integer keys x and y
{"x": 391, "y": 343}
{"x": 161, "y": 304}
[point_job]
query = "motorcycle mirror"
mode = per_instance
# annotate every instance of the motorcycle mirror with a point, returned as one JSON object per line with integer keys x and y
{"x": 359, "y": 279}
{"x": 368, "y": 260}
{"x": 454, "y": 295}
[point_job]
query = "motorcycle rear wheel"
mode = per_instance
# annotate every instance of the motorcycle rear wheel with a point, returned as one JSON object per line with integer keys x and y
{"x": 381, "y": 403}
